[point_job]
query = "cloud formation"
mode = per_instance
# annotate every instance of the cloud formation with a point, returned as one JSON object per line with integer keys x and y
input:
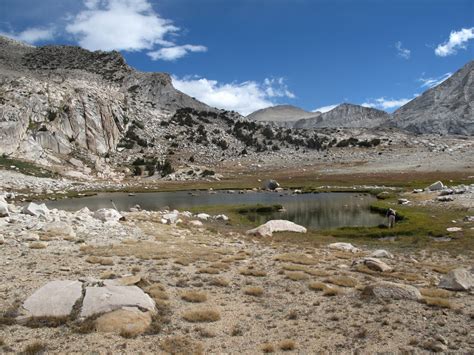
{"x": 324, "y": 109}
{"x": 383, "y": 103}
{"x": 432, "y": 82}
{"x": 32, "y": 35}
{"x": 457, "y": 40}
{"x": 245, "y": 97}
{"x": 402, "y": 52}
{"x": 175, "y": 52}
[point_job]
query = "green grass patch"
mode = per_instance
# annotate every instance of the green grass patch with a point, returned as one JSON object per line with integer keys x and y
{"x": 25, "y": 167}
{"x": 259, "y": 209}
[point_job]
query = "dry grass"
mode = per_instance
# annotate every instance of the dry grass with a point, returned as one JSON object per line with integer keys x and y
{"x": 317, "y": 286}
{"x": 296, "y": 275}
{"x": 199, "y": 315}
{"x": 219, "y": 281}
{"x": 296, "y": 259}
{"x": 99, "y": 260}
{"x": 194, "y": 296}
{"x": 181, "y": 345}
{"x": 253, "y": 272}
{"x": 305, "y": 269}
{"x": 208, "y": 270}
{"x": 38, "y": 245}
{"x": 50, "y": 322}
{"x": 436, "y": 292}
{"x": 157, "y": 291}
{"x": 344, "y": 281}
{"x": 183, "y": 261}
{"x": 254, "y": 291}
{"x": 287, "y": 345}
{"x": 267, "y": 348}
{"x": 35, "y": 348}
{"x": 437, "y": 302}
{"x": 331, "y": 291}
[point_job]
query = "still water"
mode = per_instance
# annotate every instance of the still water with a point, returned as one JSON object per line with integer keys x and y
{"x": 315, "y": 210}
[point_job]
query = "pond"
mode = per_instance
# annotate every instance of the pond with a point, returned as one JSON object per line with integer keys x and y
{"x": 313, "y": 210}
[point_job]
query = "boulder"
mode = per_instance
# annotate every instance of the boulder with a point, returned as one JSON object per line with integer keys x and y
{"x": 343, "y": 247}
{"x": 437, "y": 186}
{"x": 454, "y": 229}
{"x": 391, "y": 290}
{"x": 381, "y": 253}
{"x": 4, "y": 212}
{"x": 270, "y": 185}
{"x": 403, "y": 201}
{"x": 469, "y": 219}
{"x": 31, "y": 237}
{"x": 171, "y": 217}
{"x": 36, "y": 210}
{"x": 203, "y": 216}
{"x": 375, "y": 264}
{"x": 127, "y": 320}
{"x": 105, "y": 299}
{"x": 445, "y": 198}
{"x": 446, "y": 192}
{"x": 458, "y": 280}
{"x": 108, "y": 215}
{"x": 221, "y": 217}
{"x": 276, "y": 225}
{"x": 55, "y": 299}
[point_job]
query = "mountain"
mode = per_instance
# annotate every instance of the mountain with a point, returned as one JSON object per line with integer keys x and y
{"x": 281, "y": 113}
{"x": 445, "y": 109}
{"x": 76, "y": 111}
{"x": 346, "y": 116}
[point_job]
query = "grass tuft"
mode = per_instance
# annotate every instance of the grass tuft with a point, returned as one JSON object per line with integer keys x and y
{"x": 199, "y": 315}
{"x": 194, "y": 296}
{"x": 254, "y": 291}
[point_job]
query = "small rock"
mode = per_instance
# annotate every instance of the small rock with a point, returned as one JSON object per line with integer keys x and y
{"x": 31, "y": 237}
{"x": 344, "y": 247}
{"x": 381, "y": 253}
{"x": 203, "y": 216}
{"x": 454, "y": 229}
{"x": 376, "y": 265}
{"x": 195, "y": 223}
{"x": 36, "y": 210}
{"x": 221, "y": 217}
{"x": 445, "y": 198}
{"x": 403, "y": 201}
{"x": 38, "y": 245}
{"x": 437, "y": 186}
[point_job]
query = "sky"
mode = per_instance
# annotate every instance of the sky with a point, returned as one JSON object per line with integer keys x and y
{"x": 245, "y": 55}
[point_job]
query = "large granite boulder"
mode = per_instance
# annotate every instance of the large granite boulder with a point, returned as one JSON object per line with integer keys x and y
{"x": 276, "y": 225}
{"x": 55, "y": 299}
{"x": 36, "y": 210}
{"x": 458, "y": 280}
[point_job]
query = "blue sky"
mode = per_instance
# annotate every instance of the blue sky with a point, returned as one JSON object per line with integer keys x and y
{"x": 249, "y": 54}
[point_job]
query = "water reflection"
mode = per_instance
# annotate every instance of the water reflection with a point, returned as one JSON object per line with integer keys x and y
{"x": 319, "y": 211}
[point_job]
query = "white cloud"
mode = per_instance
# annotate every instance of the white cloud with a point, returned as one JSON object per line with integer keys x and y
{"x": 432, "y": 82}
{"x": 457, "y": 40}
{"x": 175, "y": 52}
{"x": 383, "y": 103}
{"x": 244, "y": 98}
{"x": 31, "y": 35}
{"x": 130, "y": 25}
{"x": 402, "y": 52}
{"x": 324, "y": 109}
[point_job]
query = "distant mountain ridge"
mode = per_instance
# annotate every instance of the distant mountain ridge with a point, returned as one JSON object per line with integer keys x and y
{"x": 447, "y": 108}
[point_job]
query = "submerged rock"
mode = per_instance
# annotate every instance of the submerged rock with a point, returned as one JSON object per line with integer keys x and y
{"x": 276, "y": 225}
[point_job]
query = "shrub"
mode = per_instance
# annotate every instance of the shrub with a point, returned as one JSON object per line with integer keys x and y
{"x": 201, "y": 315}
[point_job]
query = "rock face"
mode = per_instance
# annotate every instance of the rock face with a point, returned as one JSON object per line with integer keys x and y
{"x": 346, "y": 116}
{"x": 60, "y": 99}
{"x": 446, "y": 109}
{"x": 458, "y": 280}
{"x": 100, "y": 300}
{"x": 55, "y": 299}
{"x": 282, "y": 114}
{"x": 277, "y": 225}
{"x": 390, "y": 290}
